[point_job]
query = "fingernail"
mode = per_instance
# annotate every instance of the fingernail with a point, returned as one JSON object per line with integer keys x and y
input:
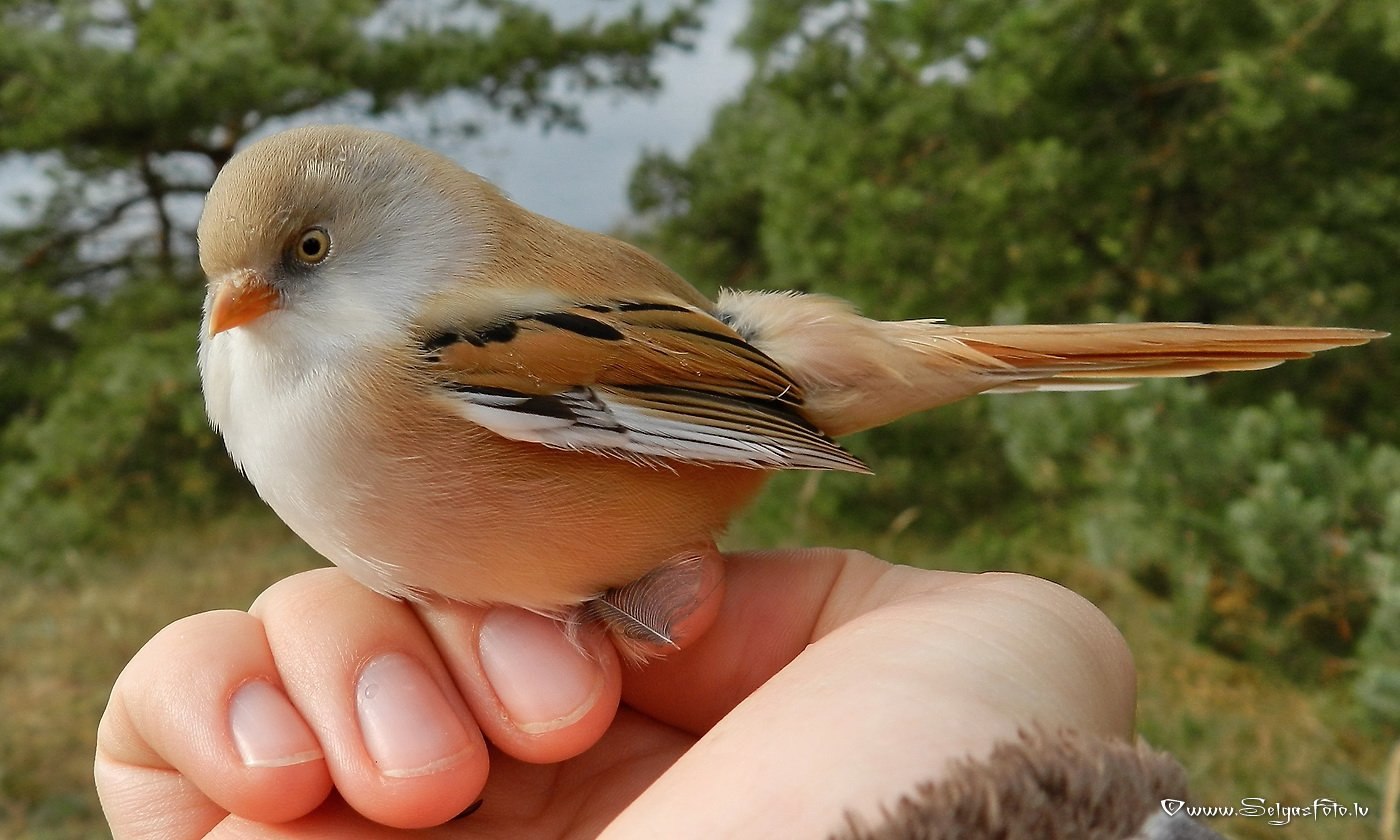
{"x": 408, "y": 726}
{"x": 267, "y": 730}
{"x": 543, "y": 681}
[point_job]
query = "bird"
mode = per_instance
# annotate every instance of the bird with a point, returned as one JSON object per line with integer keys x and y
{"x": 448, "y": 395}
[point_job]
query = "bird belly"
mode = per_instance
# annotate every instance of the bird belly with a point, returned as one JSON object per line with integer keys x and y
{"x": 453, "y": 509}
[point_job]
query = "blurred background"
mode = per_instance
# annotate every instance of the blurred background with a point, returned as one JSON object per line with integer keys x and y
{"x": 977, "y": 160}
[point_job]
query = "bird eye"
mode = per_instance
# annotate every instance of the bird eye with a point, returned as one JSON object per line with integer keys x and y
{"x": 312, "y": 246}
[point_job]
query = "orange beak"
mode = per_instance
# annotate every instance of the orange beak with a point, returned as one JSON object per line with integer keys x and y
{"x": 241, "y": 297}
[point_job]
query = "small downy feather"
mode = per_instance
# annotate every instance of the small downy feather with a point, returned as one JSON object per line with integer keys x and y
{"x": 642, "y": 616}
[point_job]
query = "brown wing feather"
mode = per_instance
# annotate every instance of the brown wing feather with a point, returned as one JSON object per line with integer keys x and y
{"x": 624, "y": 343}
{"x": 639, "y": 379}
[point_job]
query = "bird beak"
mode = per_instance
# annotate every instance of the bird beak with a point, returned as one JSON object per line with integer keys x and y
{"x": 239, "y": 298}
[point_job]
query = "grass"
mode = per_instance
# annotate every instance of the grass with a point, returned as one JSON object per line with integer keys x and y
{"x": 65, "y": 637}
{"x": 1240, "y": 730}
{"x": 1243, "y": 731}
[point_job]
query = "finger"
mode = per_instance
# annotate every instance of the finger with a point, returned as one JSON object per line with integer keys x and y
{"x": 333, "y": 820}
{"x": 536, "y": 694}
{"x": 541, "y": 696}
{"x": 907, "y": 670}
{"x": 199, "y": 723}
{"x": 400, "y": 743}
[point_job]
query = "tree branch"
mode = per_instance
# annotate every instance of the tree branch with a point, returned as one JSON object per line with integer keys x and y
{"x": 156, "y": 192}
{"x": 67, "y": 237}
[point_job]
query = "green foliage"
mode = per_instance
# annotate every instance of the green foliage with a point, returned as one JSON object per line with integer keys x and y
{"x": 1079, "y": 160}
{"x": 122, "y": 431}
{"x": 1264, "y": 534}
{"x": 923, "y": 479}
{"x": 1379, "y": 684}
{"x": 1075, "y": 159}
{"x": 106, "y": 82}
{"x": 133, "y": 107}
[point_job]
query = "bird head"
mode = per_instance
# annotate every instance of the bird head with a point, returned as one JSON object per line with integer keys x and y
{"x": 339, "y": 230}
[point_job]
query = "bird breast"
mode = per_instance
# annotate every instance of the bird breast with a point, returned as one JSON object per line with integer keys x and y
{"x": 378, "y": 472}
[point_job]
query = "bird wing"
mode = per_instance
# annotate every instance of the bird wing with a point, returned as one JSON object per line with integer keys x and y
{"x": 639, "y": 379}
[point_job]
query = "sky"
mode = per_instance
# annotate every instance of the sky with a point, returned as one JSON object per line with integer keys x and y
{"x": 582, "y": 178}
{"x": 577, "y": 178}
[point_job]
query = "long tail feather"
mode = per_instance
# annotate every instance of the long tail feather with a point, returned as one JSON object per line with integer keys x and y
{"x": 859, "y": 373}
{"x": 1046, "y": 357}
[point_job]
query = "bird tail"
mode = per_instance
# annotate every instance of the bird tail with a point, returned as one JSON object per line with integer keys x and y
{"x": 858, "y": 373}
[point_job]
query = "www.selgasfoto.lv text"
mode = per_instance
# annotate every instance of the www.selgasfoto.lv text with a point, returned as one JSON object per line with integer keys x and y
{"x": 1277, "y": 812}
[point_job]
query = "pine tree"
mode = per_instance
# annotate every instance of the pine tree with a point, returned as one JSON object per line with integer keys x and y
{"x": 129, "y": 109}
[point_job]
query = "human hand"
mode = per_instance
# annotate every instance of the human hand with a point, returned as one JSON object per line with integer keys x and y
{"x": 815, "y": 683}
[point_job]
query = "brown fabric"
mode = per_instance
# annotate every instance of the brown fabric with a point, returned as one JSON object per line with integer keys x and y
{"x": 1043, "y": 786}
